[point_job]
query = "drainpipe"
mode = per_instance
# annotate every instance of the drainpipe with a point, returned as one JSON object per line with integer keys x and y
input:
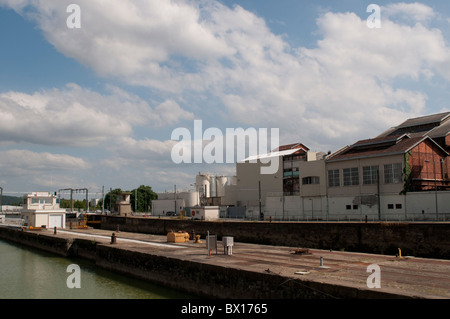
{"x": 379, "y": 194}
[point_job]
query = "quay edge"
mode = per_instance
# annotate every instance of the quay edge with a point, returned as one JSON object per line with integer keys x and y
{"x": 198, "y": 278}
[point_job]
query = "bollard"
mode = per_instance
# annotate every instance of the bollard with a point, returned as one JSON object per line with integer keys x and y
{"x": 54, "y": 231}
{"x": 113, "y": 238}
{"x": 321, "y": 261}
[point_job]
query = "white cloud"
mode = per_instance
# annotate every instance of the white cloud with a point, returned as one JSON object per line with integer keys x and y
{"x": 24, "y": 161}
{"x": 74, "y": 116}
{"x": 169, "y": 112}
{"x": 202, "y": 54}
{"x": 408, "y": 11}
{"x": 230, "y": 53}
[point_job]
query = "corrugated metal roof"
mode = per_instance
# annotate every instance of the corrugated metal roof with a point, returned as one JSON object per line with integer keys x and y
{"x": 442, "y": 130}
{"x": 425, "y": 120}
{"x": 270, "y": 155}
{"x": 405, "y": 144}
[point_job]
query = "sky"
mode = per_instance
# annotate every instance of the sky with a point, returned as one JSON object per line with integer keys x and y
{"x": 91, "y": 96}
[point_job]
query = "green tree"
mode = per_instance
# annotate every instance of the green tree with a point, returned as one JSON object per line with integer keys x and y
{"x": 145, "y": 195}
{"x": 77, "y": 204}
{"x": 111, "y": 198}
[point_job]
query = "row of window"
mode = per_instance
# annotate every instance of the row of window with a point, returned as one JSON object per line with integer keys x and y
{"x": 389, "y": 206}
{"x": 34, "y": 201}
{"x": 370, "y": 174}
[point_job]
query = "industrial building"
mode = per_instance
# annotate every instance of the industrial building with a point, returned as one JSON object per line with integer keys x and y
{"x": 402, "y": 174}
{"x": 374, "y": 177}
{"x": 210, "y": 191}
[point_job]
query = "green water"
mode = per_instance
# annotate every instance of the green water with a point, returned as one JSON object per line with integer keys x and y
{"x": 32, "y": 274}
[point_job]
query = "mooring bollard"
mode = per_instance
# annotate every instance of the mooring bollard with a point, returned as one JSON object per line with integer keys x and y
{"x": 113, "y": 238}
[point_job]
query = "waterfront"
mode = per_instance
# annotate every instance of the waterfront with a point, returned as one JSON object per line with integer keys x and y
{"x": 32, "y": 274}
{"x": 252, "y": 271}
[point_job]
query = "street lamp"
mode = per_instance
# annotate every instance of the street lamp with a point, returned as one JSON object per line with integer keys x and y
{"x": 435, "y": 189}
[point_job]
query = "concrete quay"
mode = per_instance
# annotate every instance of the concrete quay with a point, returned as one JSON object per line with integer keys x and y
{"x": 252, "y": 271}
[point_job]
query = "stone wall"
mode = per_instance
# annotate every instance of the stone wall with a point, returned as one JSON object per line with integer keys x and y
{"x": 418, "y": 239}
{"x": 204, "y": 280}
{"x": 35, "y": 239}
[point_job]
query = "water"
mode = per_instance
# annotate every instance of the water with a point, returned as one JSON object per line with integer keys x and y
{"x": 32, "y": 274}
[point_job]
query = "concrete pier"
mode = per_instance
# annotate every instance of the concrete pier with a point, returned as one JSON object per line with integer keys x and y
{"x": 252, "y": 271}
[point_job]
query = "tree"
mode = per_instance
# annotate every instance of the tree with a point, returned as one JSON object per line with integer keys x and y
{"x": 145, "y": 195}
{"x": 77, "y": 204}
{"x": 111, "y": 198}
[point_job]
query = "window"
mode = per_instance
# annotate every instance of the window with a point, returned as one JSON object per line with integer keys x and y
{"x": 291, "y": 172}
{"x": 310, "y": 180}
{"x": 351, "y": 176}
{"x": 370, "y": 175}
{"x": 393, "y": 173}
{"x": 333, "y": 178}
{"x": 37, "y": 200}
{"x": 390, "y": 206}
{"x": 398, "y": 206}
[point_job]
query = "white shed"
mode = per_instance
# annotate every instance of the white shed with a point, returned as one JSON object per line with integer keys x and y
{"x": 41, "y": 210}
{"x": 205, "y": 212}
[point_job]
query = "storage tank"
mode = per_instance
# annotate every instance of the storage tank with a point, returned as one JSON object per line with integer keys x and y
{"x": 213, "y": 186}
{"x": 191, "y": 198}
{"x": 221, "y": 181}
{"x": 203, "y": 185}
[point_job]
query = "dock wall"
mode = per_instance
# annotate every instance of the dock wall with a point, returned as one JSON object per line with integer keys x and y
{"x": 201, "y": 279}
{"x": 420, "y": 239}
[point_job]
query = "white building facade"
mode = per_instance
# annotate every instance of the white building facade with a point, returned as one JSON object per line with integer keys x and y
{"x": 40, "y": 209}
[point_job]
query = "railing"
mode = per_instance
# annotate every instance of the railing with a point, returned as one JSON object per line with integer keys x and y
{"x": 19, "y": 222}
{"x": 308, "y": 217}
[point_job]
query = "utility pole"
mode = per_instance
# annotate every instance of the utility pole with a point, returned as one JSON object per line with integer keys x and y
{"x": 1, "y": 198}
{"x": 435, "y": 189}
{"x": 259, "y": 191}
{"x": 135, "y": 200}
{"x": 379, "y": 194}
{"x": 103, "y": 199}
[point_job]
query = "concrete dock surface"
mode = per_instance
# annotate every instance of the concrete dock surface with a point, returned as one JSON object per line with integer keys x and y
{"x": 404, "y": 276}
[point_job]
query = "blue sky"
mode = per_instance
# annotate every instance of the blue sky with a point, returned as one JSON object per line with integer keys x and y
{"x": 97, "y": 105}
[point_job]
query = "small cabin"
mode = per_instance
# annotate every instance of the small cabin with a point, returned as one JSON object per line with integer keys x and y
{"x": 40, "y": 209}
{"x": 205, "y": 212}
